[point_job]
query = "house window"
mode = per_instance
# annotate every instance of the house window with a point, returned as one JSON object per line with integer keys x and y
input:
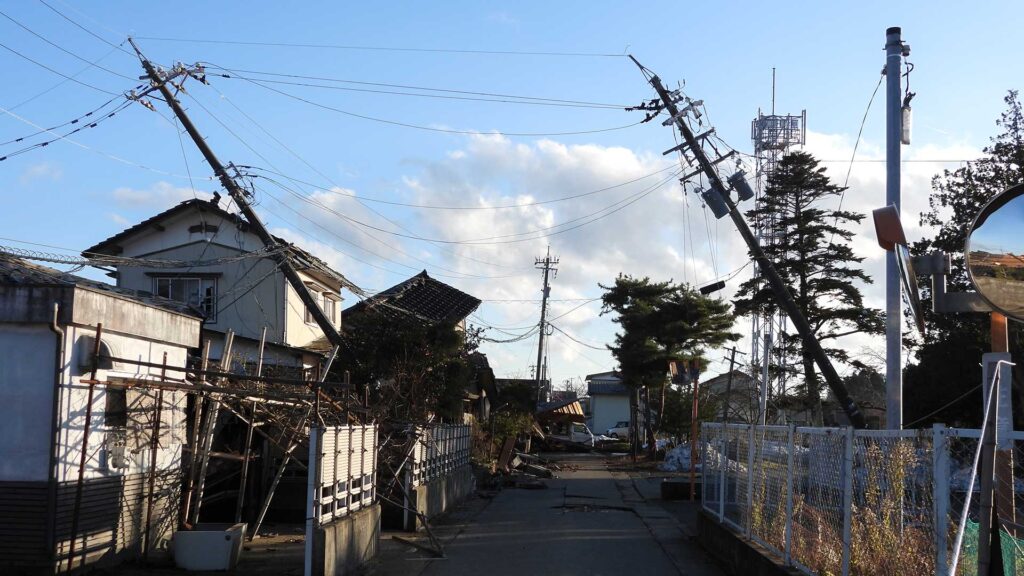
{"x": 200, "y": 293}
{"x": 331, "y": 308}
{"x": 316, "y": 298}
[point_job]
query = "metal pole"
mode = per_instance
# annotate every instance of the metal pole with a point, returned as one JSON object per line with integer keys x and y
{"x": 762, "y": 405}
{"x": 748, "y": 521}
{"x": 847, "y": 498}
{"x": 546, "y": 262}
{"x": 728, "y": 386}
{"x": 197, "y": 411}
{"x": 694, "y": 438}
{"x": 723, "y": 463}
{"x": 940, "y": 496}
{"x": 83, "y": 459}
{"x": 154, "y": 449}
{"x": 247, "y": 452}
{"x": 893, "y": 302}
{"x": 988, "y": 455}
{"x": 788, "y": 546}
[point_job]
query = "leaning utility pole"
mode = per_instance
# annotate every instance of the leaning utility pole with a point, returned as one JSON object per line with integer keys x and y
{"x": 239, "y": 196}
{"x": 717, "y": 193}
{"x": 546, "y": 264}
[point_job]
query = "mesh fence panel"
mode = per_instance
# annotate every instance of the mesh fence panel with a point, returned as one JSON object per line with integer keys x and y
{"x": 768, "y": 504}
{"x": 892, "y": 525}
{"x": 737, "y": 451}
{"x": 713, "y": 441}
{"x": 818, "y": 500}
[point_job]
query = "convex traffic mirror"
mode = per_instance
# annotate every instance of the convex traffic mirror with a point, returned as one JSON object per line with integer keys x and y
{"x": 995, "y": 252}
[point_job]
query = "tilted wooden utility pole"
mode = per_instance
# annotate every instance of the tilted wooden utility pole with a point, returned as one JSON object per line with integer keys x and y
{"x": 238, "y": 195}
{"x": 782, "y": 295}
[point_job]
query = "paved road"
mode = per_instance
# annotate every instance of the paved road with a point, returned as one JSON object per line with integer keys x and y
{"x": 590, "y": 521}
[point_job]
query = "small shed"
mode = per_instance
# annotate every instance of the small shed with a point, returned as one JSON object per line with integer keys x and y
{"x": 82, "y": 478}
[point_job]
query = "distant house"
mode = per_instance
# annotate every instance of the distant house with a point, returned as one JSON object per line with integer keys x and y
{"x": 48, "y": 326}
{"x": 740, "y": 394}
{"x": 609, "y": 401}
{"x": 242, "y": 290}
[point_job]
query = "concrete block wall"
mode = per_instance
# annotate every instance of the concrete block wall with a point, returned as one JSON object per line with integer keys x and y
{"x": 439, "y": 495}
{"x": 342, "y": 546}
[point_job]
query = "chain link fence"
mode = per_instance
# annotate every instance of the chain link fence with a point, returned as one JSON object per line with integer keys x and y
{"x": 837, "y": 501}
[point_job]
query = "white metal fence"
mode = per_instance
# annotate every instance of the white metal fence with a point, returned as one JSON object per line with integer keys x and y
{"x": 343, "y": 465}
{"x": 844, "y": 501}
{"x": 439, "y": 450}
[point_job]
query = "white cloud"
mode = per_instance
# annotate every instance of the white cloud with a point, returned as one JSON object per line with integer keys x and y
{"x": 41, "y": 171}
{"x": 160, "y": 195}
{"x": 662, "y": 235}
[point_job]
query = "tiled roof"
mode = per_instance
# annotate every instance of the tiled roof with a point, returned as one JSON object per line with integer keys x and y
{"x": 422, "y": 296}
{"x": 303, "y": 260}
{"x": 607, "y": 389}
{"x": 17, "y": 272}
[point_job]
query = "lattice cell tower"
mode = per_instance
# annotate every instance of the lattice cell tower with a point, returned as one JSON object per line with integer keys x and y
{"x": 773, "y": 136}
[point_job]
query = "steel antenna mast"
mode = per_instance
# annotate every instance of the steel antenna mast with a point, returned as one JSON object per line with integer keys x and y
{"x": 718, "y": 193}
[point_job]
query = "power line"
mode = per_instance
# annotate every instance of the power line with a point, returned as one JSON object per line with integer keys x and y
{"x": 63, "y": 124}
{"x": 434, "y": 128}
{"x": 437, "y": 207}
{"x": 574, "y": 339}
{"x": 62, "y": 82}
{"x": 382, "y": 48}
{"x": 467, "y": 95}
{"x": 63, "y": 49}
{"x": 86, "y": 30}
{"x": 59, "y": 137}
{"x": 324, "y": 176}
{"x": 58, "y": 73}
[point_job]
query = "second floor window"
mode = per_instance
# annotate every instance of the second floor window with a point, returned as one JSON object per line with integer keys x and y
{"x": 200, "y": 293}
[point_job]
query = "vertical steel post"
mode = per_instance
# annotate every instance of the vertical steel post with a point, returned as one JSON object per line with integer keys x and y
{"x": 893, "y": 301}
{"x": 748, "y": 525}
{"x": 847, "y": 497}
{"x": 788, "y": 546}
{"x": 723, "y": 465}
{"x": 312, "y": 495}
{"x": 154, "y": 451}
{"x": 83, "y": 459}
{"x": 247, "y": 452}
{"x": 762, "y": 406}
{"x": 940, "y": 496}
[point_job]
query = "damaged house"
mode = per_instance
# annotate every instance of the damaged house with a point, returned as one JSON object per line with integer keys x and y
{"x": 89, "y": 473}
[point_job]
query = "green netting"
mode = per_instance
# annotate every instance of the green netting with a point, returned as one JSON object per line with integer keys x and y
{"x": 1013, "y": 552}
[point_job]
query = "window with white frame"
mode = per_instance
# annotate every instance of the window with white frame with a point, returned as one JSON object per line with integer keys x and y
{"x": 331, "y": 308}
{"x": 200, "y": 293}
{"x": 315, "y": 293}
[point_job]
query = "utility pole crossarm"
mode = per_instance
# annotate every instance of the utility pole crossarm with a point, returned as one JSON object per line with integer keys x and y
{"x": 785, "y": 299}
{"x": 238, "y": 195}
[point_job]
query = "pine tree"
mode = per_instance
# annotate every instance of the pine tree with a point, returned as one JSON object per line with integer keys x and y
{"x": 662, "y": 322}
{"x": 812, "y": 253}
{"x": 947, "y": 361}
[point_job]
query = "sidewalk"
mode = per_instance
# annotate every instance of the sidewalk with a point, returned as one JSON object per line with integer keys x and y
{"x": 590, "y": 521}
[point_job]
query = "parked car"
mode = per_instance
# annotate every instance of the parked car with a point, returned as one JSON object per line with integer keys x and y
{"x": 620, "y": 430}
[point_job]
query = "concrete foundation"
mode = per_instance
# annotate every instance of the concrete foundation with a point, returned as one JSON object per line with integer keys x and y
{"x": 738, "y": 555}
{"x": 344, "y": 545}
{"x": 438, "y": 495}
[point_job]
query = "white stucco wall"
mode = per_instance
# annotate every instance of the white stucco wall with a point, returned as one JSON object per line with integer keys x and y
{"x": 74, "y": 396}
{"x": 297, "y": 331}
{"x": 607, "y": 410}
{"x": 27, "y": 355}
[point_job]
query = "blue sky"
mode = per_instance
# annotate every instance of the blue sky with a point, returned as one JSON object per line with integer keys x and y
{"x": 827, "y": 54}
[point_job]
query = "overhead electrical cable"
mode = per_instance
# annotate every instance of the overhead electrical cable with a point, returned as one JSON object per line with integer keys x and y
{"x": 454, "y": 94}
{"x": 335, "y": 186}
{"x": 95, "y": 150}
{"x": 57, "y": 72}
{"x": 435, "y": 128}
{"x": 59, "y": 137}
{"x": 502, "y": 239}
{"x": 437, "y": 207}
{"x": 381, "y": 48}
{"x": 62, "y": 82}
{"x": 75, "y": 120}
{"x": 574, "y": 339}
{"x": 86, "y": 30}
{"x": 65, "y": 50}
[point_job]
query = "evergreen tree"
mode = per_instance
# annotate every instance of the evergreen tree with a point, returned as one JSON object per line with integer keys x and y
{"x": 662, "y": 322}
{"x": 812, "y": 254}
{"x": 947, "y": 360}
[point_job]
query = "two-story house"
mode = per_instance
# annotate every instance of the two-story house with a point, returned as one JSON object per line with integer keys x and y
{"x": 220, "y": 268}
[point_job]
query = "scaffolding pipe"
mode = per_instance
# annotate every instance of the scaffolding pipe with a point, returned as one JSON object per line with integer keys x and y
{"x": 85, "y": 449}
